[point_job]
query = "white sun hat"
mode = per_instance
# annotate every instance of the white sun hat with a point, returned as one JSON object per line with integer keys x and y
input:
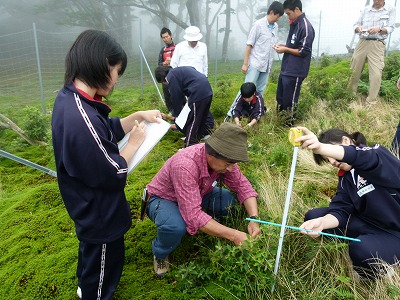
{"x": 192, "y": 34}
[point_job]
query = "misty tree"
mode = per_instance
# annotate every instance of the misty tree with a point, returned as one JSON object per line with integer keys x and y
{"x": 111, "y": 14}
{"x": 86, "y": 13}
{"x": 227, "y": 29}
{"x": 246, "y": 10}
{"x": 163, "y": 10}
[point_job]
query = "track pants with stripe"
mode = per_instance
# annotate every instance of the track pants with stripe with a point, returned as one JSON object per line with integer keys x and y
{"x": 199, "y": 122}
{"x": 287, "y": 96}
{"x": 100, "y": 268}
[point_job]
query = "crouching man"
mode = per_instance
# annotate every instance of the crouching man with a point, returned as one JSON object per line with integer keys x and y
{"x": 185, "y": 197}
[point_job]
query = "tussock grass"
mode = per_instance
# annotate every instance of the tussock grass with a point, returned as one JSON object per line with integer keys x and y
{"x": 38, "y": 245}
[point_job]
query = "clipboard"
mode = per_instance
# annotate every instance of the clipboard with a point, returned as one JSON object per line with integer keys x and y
{"x": 154, "y": 133}
{"x": 181, "y": 120}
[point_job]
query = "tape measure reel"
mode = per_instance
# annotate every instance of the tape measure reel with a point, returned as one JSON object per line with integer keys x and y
{"x": 295, "y": 133}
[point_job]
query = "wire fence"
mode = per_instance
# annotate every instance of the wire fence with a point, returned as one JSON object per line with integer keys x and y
{"x": 32, "y": 61}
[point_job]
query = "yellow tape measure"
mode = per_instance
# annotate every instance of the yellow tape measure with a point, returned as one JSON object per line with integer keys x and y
{"x": 295, "y": 133}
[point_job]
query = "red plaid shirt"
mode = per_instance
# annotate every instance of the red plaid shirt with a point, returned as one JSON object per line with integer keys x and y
{"x": 185, "y": 178}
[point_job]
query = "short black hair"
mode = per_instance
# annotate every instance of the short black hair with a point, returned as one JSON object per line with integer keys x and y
{"x": 161, "y": 73}
{"x": 247, "y": 89}
{"x": 91, "y": 56}
{"x": 277, "y": 8}
{"x": 164, "y": 30}
{"x": 335, "y": 136}
{"x": 292, "y": 4}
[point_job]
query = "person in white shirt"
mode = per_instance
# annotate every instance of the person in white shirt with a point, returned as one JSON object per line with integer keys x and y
{"x": 259, "y": 52}
{"x": 191, "y": 52}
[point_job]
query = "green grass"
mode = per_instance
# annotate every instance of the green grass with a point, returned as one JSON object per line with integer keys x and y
{"x": 38, "y": 244}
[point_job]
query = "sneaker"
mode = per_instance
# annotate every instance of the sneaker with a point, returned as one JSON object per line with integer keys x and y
{"x": 161, "y": 266}
{"x": 227, "y": 118}
{"x": 79, "y": 292}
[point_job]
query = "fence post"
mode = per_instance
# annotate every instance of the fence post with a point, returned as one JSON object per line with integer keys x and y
{"x": 141, "y": 58}
{"x": 216, "y": 56}
{"x": 319, "y": 36}
{"x": 39, "y": 68}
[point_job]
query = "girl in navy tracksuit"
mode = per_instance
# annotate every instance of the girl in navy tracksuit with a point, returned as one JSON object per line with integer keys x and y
{"x": 91, "y": 171}
{"x": 367, "y": 203}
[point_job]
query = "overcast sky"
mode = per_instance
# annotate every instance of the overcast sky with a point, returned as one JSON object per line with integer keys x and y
{"x": 335, "y": 30}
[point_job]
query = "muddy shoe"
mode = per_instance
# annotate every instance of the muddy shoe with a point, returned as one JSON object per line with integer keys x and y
{"x": 161, "y": 266}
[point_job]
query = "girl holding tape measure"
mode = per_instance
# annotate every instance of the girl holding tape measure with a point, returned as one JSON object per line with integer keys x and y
{"x": 367, "y": 202}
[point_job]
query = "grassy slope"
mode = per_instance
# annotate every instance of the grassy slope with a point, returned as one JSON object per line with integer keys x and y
{"x": 38, "y": 245}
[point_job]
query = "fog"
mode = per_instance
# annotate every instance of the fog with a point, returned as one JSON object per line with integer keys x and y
{"x": 333, "y": 31}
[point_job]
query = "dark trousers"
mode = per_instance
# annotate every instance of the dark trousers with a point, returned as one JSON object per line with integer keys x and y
{"x": 395, "y": 146}
{"x": 199, "y": 121}
{"x": 376, "y": 244}
{"x": 287, "y": 97}
{"x": 167, "y": 98}
{"x": 100, "y": 268}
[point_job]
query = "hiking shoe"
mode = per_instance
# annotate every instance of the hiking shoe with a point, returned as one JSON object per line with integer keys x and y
{"x": 161, "y": 266}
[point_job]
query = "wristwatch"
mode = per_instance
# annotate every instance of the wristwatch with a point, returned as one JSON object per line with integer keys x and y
{"x": 254, "y": 217}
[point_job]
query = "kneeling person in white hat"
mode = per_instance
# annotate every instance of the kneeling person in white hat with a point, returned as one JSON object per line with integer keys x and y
{"x": 191, "y": 52}
{"x": 185, "y": 198}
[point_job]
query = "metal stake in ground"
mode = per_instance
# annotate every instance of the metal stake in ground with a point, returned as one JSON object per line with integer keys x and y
{"x": 294, "y": 133}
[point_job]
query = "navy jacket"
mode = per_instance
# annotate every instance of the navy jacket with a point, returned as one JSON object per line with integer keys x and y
{"x": 91, "y": 173}
{"x": 254, "y": 110}
{"x": 371, "y": 190}
{"x": 187, "y": 81}
{"x": 301, "y": 36}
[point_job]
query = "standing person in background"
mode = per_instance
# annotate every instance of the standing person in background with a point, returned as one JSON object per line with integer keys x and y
{"x": 374, "y": 25}
{"x": 296, "y": 60}
{"x": 164, "y": 59}
{"x": 187, "y": 83}
{"x": 259, "y": 54}
{"x": 191, "y": 52}
{"x": 395, "y": 146}
{"x": 366, "y": 205}
{"x": 91, "y": 172}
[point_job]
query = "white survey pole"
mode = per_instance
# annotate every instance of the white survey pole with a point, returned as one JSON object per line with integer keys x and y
{"x": 294, "y": 133}
{"x": 151, "y": 74}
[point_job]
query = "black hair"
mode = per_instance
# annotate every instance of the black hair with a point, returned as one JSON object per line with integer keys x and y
{"x": 90, "y": 57}
{"x": 212, "y": 152}
{"x": 292, "y": 4}
{"x": 165, "y": 30}
{"x": 161, "y": 73}
{"x": 276, "y": 7}
{"x": 335, "y": 136}
{"x": 247, "y": 89}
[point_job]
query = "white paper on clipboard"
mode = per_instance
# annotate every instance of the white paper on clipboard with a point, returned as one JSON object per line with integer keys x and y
{"x": 183, "y": 116}
{"x": 154, "y": 133}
